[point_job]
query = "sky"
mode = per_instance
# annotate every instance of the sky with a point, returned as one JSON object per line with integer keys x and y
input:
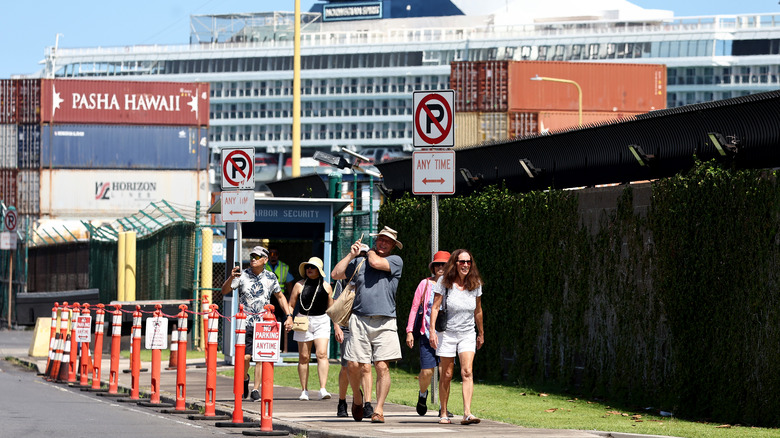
{"x": 28, "y": 27}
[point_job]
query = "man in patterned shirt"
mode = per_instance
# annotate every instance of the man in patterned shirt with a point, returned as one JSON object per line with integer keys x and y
{"x": 255, "y": 286}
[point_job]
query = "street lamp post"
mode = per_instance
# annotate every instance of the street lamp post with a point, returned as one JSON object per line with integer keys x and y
{"x": 565, "y": 81}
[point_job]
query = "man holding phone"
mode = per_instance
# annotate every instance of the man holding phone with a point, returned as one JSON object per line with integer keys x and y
{"x": 255, "y": 286}
{"x": 372, "y": 326}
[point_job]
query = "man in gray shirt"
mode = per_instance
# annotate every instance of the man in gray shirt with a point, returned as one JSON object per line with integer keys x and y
{"x": 373, "y": 328}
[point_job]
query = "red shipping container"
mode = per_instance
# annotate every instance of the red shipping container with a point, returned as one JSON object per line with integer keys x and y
{"x": 8, "y": 186}
{"x": 124, "y": 102}
{"x": 493, "y": 90}
{"x": 28, "y": 101}
{"x": 7, "y": 101}
{"x": 464, "y": 80}
{"x": 605, "y": 87}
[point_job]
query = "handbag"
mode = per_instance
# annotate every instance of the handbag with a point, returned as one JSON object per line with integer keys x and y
{"x": 441, "y": 318}
{"x": 341, "y": 309}
{"x": 300, "y": 323}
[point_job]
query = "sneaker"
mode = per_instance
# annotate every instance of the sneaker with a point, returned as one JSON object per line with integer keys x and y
{"x": 449, "y": 414}
{"x": 246, "y": 386}
{"x": 368, "y": 410}
{"x": 422, "y": 403}
{"x": 324, "y": 394}
{"x": 341, "y": 411}
{"x": 255, "y": 395}
{"x": 304, "y": 395}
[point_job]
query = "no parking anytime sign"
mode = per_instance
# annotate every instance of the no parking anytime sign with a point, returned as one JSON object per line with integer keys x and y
{"x": 265, "y": 345}
{"x": 434, "y": 119}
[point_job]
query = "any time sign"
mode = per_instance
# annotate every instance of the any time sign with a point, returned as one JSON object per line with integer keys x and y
{"x": 433, "y": 173}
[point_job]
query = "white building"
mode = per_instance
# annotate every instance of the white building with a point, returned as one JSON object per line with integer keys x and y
{"x": 360, "y": 64}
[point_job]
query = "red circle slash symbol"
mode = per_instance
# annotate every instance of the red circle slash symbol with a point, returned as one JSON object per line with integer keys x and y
{"x": 444, "y": 109}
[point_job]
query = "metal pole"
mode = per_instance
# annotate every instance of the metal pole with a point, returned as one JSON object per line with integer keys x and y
{"x": 434, "y": 248}
{"x": 10, "y": 283}
{"x": 296, "y": 127}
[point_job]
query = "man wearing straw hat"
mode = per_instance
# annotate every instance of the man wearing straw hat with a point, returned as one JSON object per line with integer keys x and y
{"x": 373, "y": 327}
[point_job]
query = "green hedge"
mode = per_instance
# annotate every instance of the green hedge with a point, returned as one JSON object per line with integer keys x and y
{"x": 674, "y": 306}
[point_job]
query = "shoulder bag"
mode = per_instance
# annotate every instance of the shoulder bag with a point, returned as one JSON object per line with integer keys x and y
{"x": 441, "y": 318}
{"x": 341, "y": 309}
{"x": 301, "y": 322}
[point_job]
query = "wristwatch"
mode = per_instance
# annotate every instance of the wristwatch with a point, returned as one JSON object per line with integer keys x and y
{"x": 289, "y": 315}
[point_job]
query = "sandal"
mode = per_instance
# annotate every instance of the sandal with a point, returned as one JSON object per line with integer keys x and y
{"x": 377, "y": 418}
{"x": 470, "y": 419}
{"x": 444, "y": 420}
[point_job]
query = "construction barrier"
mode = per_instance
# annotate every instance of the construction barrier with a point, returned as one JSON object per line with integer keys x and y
{"x": 73, "y": 356}
{"x": 181, "y": 368}
{"x": 116, "y": 346}
{"x": 97, "y": 357}
{"x": 64, "y": 344}
{"x": 209, "y": 412}
{"x": 84, "y": 362}
{"x": 54, "y": 311}
{"x": 173, "y": 356}
{"x": 238, "y": 374}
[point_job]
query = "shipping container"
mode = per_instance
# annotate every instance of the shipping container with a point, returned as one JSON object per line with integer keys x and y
{"x": 531, "y": 123}
{"x": 466, "y": 129}
{"x": 124, "y": 147}
{"x": 28, "y": 192}
{"x": 111, "y": 194}
{"x": 493, "y": 89}
{"x": 28, "y": 100}
{"x": 8, "y": 143}
{"x": 8, "y": 186}
{"x": 606, "y": 87}
{"x": 7, "y": 101}
{"x": 124, "y": 102}
{"x": 464, "y": 81}
{"x": 29, "y": 146}
{"x": 477, "y": 128}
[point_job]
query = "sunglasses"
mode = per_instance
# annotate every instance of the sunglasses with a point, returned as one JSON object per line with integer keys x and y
{"x": 310, "y": 267}
{"x": 255, "y": 257}
{"x": 464, "y": 262}
{"x": 438, "y": 265}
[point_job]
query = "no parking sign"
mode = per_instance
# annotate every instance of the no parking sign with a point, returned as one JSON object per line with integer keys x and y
{"x": 434, "y": 118}
{"x": 238, "y": 167}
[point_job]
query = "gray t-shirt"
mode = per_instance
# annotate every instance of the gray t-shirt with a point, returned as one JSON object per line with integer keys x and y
{"x": 374, "y": 289}
{"x": 460, "y": 306}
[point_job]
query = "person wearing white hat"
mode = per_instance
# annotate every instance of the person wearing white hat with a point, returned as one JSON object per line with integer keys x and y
{"x": 373, "y": 328}
{"x": 255, "y": 286}
{"x": 311, "y": 297}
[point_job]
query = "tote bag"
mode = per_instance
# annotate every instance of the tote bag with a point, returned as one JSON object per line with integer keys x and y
{"x": 341, "y": 309}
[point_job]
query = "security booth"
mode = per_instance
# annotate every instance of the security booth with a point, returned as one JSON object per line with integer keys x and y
{"x": 299, "y": 227}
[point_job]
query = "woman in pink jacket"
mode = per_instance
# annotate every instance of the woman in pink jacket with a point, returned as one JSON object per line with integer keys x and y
{"x": 419, "y": 326}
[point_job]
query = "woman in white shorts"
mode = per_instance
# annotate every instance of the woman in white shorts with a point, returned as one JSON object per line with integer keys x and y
{"x": 311, "y": 297}
{"x": 461, "y": 286}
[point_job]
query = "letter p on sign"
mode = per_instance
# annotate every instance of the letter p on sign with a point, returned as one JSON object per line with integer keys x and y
{"x": 434, "y": 119}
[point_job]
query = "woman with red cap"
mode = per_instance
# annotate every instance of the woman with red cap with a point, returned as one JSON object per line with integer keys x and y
{"x": 419, "y": 327}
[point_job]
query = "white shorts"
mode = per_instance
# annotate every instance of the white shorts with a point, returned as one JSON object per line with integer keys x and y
{"x": 451, "y": 343}
{"x": 319, "y": 327}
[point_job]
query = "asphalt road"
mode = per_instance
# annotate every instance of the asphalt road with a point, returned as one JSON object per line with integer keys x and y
{"x": 32, "y": 407}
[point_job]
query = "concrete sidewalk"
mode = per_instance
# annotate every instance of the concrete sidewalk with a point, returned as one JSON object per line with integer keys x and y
{"x": 313, "y": 418}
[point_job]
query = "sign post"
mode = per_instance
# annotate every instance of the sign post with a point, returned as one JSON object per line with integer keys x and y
{"x": 8, "y": 241}
{"x": 433, "y": 172}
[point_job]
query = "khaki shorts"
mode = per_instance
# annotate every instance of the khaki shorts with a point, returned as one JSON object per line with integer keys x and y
{"x": 372, "y": 339}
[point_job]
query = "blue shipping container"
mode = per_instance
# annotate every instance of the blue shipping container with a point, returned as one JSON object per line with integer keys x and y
{"x": 124, "y": 147}
{"x": 29, "y": 146}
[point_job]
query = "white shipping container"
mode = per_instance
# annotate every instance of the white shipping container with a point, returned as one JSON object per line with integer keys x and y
{"x": 9, "y": 142}
{"x": 28, "y": 194}
{"x": 112, "y": 194}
